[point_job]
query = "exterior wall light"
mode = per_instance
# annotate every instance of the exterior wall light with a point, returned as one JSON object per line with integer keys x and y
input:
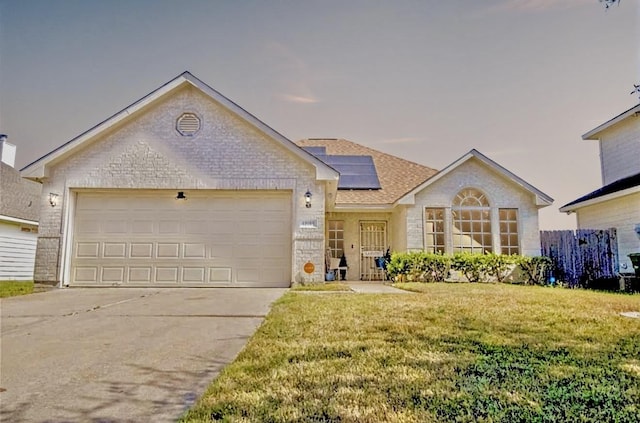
{"x": 53, "y": 199}
{"x": 307, "y": 199}
{"x": 181, "y": 196}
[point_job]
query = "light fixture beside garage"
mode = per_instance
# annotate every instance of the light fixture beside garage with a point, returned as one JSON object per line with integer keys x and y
{"x": 53, "y": 199}
{"x": 307, "y": 199}
{"x": 181, "y": 196}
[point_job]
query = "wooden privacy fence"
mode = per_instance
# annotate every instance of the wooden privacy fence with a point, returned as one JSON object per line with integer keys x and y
{"x": 581, "y": 256}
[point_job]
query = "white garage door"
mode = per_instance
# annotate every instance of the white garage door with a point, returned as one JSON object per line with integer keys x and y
{"x": 211, "y": 238}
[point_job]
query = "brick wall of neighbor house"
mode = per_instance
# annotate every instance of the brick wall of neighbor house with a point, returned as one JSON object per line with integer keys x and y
{"x": 147, "y": 152}
{"x": 500, "y": 192}
{"x": 621, "y": 213}
{"x": 620, "y": 150}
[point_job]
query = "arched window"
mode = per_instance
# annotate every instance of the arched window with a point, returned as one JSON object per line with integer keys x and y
{"x": 471, "y": 222}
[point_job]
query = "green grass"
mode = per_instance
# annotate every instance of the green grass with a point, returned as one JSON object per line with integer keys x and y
{"x": 333, "y": 286}
{"x": 453, "y": 352}
{"x": 13, "y": 288}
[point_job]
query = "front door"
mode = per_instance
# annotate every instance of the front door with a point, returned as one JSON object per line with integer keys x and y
{"x": 373, "y": 241}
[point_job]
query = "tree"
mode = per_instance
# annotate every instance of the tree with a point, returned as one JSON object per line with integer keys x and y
{"x": 608, "y": 3}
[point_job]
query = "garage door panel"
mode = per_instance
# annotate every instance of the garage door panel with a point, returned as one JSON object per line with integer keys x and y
{"x": 168, "y": 250}
{"x": 115, "y": 250}
{"x": 141, "y": 250}
{"x": 193, "y": 274}
{"x": 118, "y": 226}
{"x": 86, "y": 274}
{"x": 214, "y": 238}
{"x": 168, "y": 227}
{"x": 167, "y": 274}
{"x": 140, "y": 274}
{"x": 87, "y": 249}
{"x": 142, "y": 227}
{"x": 113, "y": 274}
{"x": 196, "y": 250}
{"x": 220, "y": 274}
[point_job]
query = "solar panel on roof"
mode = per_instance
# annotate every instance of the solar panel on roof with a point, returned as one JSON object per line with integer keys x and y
{"x": 316, "y": 151}
{"x": 356, "y": 172}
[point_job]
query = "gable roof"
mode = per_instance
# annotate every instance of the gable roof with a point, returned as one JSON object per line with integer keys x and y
{"x": 619, "y": 188}
{"x": 594, "y": 134}
{"x": 39, "y": 168}
{"x": 542, "y": 199}
{"x": 396, "y": 176}
{"x": 19, "y": 198}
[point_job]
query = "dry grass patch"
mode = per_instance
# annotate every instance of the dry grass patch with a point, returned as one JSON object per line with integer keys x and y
{"x": 333, "y": 286}
{"x": 458, "y": 352}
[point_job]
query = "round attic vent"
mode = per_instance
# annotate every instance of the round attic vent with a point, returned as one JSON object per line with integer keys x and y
{"x": 188, "y": 124}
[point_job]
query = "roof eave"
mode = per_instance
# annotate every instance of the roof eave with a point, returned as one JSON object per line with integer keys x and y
{"x": 594, "y": 134}
{"x": 18, "y": 220}
{"x": 571, "y": 208}
{"x": 541, "y": 199}
{"x": 362, "y": 207}
{"x": 38, "y": 169}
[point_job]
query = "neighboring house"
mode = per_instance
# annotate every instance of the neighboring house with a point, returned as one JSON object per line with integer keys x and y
{"x": 19, "y": 207}
{"x": 186, "y": 187}
{"x": 617, "y": 203}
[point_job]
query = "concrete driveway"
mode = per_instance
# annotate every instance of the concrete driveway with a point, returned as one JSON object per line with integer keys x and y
{"x": 120, "y": 354}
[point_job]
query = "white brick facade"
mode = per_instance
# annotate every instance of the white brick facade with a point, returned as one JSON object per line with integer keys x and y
{"x": 501, "y": 193}
{"x": 147, "y": 152}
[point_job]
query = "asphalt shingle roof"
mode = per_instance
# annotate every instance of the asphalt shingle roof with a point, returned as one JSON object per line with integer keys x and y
{"x": 397, "y": 176}
{"x": 617, "y": 186}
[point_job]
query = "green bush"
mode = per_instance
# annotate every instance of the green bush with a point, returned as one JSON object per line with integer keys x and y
{"x": 420, "y": 266}
{"x": 473, "y": 266}
{"x": 535, "y": 268}
{"x": 499, "y": 266}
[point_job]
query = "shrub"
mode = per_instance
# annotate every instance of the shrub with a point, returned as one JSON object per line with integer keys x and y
{"x": 419, "y": 266}
{"x": 535, "y": 268}
{"x": 472, "y": 266}
{"x": 499, "y": 266}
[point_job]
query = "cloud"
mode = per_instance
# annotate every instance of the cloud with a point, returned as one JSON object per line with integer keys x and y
{"x": 299, "y": 99}
{"x": 295, "y": 76}
{"x": 540, "y": 5}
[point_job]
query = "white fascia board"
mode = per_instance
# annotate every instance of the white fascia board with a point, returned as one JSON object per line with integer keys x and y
{"x": 17, "y": 220}
{"x": 594, "y": 134}
{"x": 541, "y": 199}
{"x": 363, "y": 208}
{"x": 614, "y": 195}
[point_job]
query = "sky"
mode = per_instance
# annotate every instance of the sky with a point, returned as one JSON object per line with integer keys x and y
{"x": 425, "y": 80}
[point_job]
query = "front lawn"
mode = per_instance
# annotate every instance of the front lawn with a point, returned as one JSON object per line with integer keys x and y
{"x": 453, "y": 352}
{"x": 330, "y": 286}
{"x": 13, "y": 288}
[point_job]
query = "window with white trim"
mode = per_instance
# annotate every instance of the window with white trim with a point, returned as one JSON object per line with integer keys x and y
{"x": 336, "y": 237}
{"x": 471, "y": 216}
{"x": 434, "y": 230}
{"x": 509, "y": 240}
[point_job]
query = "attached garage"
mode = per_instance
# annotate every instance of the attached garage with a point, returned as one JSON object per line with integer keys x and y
{"x": 151, "y": 238}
